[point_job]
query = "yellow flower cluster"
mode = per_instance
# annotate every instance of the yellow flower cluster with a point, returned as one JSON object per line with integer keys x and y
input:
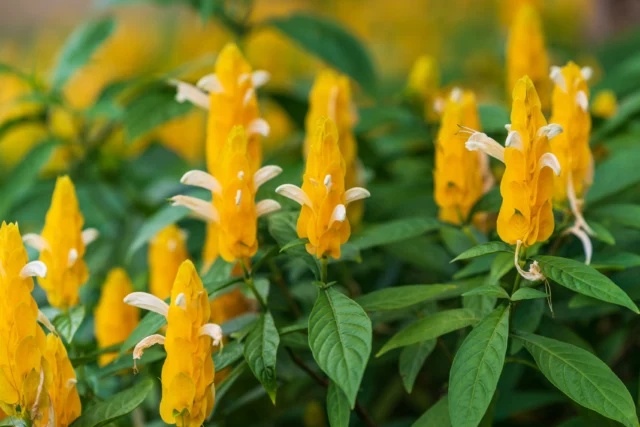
{"x": 424, "y": 83}
{"x": 167, "y": 251}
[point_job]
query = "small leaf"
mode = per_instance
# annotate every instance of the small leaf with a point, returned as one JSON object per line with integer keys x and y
{"x": 118, "y": 405}
{"x": 228, "y": 355}
{"x": 398, "y": 297}
{"x": 455, "y": 239}
{"x": 393, "y": 232}
{"x": 601, "y": 233}
{"x": 260, "y": 351}
{"x": 616, "y": 173}
{"x": 294, "y": 243}
{"x": 340, "y": 339}
{"x": 67, "y": 324}
{"x": 80, "y": 47}
{"x": 528, "y": 293}
{"x": 488, "y": 290}
{"x": 430, "y": 327}
{"x": 582, "y": 377}
{"x": 13, "y": 422}
{"x": 436, "y": 416}
{"x": 585, "y": 280}
{"x": 411, "y": 360}
{"x": 282, "y": 226}
{"x": 331, "y": 43}
{"x": 484, "y": 249}
{"x": 338, "y": 410}
{"x": 626, "y": 215}
{"x": 151, "y": 355}
{"x": 149, "y": 325}
{"x": 476, "y": 369}
{"x": 489, "y": 202}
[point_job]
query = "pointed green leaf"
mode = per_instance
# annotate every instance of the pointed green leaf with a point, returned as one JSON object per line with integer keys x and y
{"x": 411, "y": 360}
{"x": 528, "y": 293}
{"x": 626, "y": 215}
{"x": 67, "y": 324}
{"x": 583, "y": 279}
{"x": 526, "y": 319}
{"x": 340, "y": 339}
{"x": 228, "y": 355}
{"x": 488, "y": 290}
{"x": 437, "y": 415}
{"x": 338, "y": 410}
{"x": 489, "y": 202}
{"x": 476, "y": 369}
{"x": 484, "y": 249}
{"x": 601, "y": 233}
{"x": 583, "y": 377}
{"x": 260, "y": 350}
{"x": 282, "y": 227}
{"x": 294, "y": 243}
{"x": 393, "y": 232}
{"x": 398, "y": 297}
{"x": 430, "y": 327}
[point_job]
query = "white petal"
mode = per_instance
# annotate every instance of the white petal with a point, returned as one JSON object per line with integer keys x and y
{"x": 188, "y": 92}
{"x": 242, "y": 78}
{"x": 144, "y": 344}
{"x": 586, "y": 243}
{"x": 587, "y": 73}
{"x": 551, "y": 161}
{"x": 479, "y": 141}
{"x": 200, "y": 208}
{"x": 89, "y": 235}
{"x": 294, "y": 193}
{"x": 456, "y": 94}
{"x": 210, "y": 83}
{"x": 339, "y": 214}
{"x": 247, "y": 96}
{"x": 534, "y": 274}
{"x": 355, "y": 193}
{"x": 33, "y": 269}
{"x": 36, "y": 241}
{"x": 558, "y": 78}
{"x": 259, "y": 126}
{"x": 181, "y": 301}
{"x": 327, "y": 182}
{"x": 582, "y": 100}
{"x": 550, "y": 131}
{"x": 45, "y": 321}
{"x": 147, "y": 302}
{"x": 201, "y": 179}
{"x": 214, "y": 331}
{"x": 514, "y": 140}
{"x": 264, "y": 207}
{"x": 72, "y": 258}
{"x": 264, "y": 174}
{"x": 238, "y": 197}
{"x": 508, "y": 127}
{"x": 260, "y": 78}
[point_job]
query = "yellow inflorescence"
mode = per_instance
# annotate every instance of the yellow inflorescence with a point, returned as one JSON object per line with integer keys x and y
{"x": 605, "y": 104}
{"x": 167, "y": 251}
{"x": 62, "y": 391}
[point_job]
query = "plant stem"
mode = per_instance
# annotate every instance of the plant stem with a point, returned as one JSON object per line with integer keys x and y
{"x": 248, "y": 279}
{"x": 324, "y": 262}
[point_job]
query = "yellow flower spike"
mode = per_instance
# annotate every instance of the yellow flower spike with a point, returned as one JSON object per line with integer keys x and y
{"x": 424, "y": 83}
{"x": 458, "y": 174}
{"x": 605, "y": 104}
{"x": 187, "y": 374}
{"x": 526, "y": 215}
{"x": 526, "y": 52}
{"x": 64, "y": 401}
{"x": 114, "y": 320}
{"x": 323, "y": 217}
{"x": 23, "y": 342}
{"x": 62, "y": 246}
{"x": 167, "y": 251}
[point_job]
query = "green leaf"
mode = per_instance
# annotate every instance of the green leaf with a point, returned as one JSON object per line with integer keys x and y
{"x": 398, "y": 297}
{"x": 118, "y": 405}
{"x": 164, "y": 217}
{"x": 80, "y": 47}
{"x": 13, "y": 422}
{"x": 476, "y": 369}
{"x": 411, "y": 360}
{"x": 437, "y": 415}
{"x": 340, "y": 339}
{"x": 338, "y": 410}
{"x": 228, "y": 355}
{"x": 489, "y": 202}
{"x": 282, "y": 227}
{"x": 331, "y": 43}
{"x": 294, "y": 243}
{"x": 151, "y": 355}
{"x": 626, "y": 215}
{"x": 17, "y": 185}
{"x": 67, "y": 324}
{"x": 493, "y": 117}
{"x": 431, "y": 327}
{"x": 481, "y": 304}
{"x": 455, "y": 239}
{"x": 392, "y": 232}
{"x": 528, "y": 293}
{"x": 615, "y": 261}
{"x": 582, "y": 377}
{"x": 617, "y": 172}
{"x": 583, "y": 279}
{"x": 260, "y": 351}
{"x": 149, "y": 325}
{"x": 484, "y": 249}
{"x": 526, "y": 319}
{"x": 488, "y": 290}
{"x": 601, "y": 233}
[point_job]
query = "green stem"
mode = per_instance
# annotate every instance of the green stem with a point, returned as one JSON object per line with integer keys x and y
{"x": 324, "y": 262}
{"x": 248, "y": 279}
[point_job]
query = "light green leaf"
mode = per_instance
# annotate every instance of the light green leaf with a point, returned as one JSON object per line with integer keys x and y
{"x": 13, "y": 422}
{"x": 398, "y": 297}
{"x": 481, "y": 304}
{"x": 228, "y": 355}
{"x": 455, "y": 239}
{"x": 338, "y": 410}
{"x": 431, "y": 327}
{"x": 615, "y": 261}
{"x": 617, "y": 172}
{"x": 601, "y": 233}
{"x": 340, "y": 339}
{"x": 151, "y": 355}
{"x": 493, "y": 118}
{"x": 583, "y": 377}
{"x": 67, "y": 324}
{"x": 488, "y": 290}
{"x": 484, "y": 249}
{"x": 626, "y": 215}
{"x": 476, "y": 369}
{"x": 118, "y": 405}
{"x": 331, "y": 43}
{"x": 583, "y": 279}
{"x": 476, "y": 266}
{"x": 393, "y": 232}
{"x": 527, "y": 293}
{"x": 294, "y": 243}
{"x": 282, "y": 227}
{"x": 260, "y": 350}
{"x": 149, "y": 325}
{"x": 80, "y": 47}
{"x": 437, "y": 415}
{"x": 501, "y": 265}
{"x": 411, "y": 360}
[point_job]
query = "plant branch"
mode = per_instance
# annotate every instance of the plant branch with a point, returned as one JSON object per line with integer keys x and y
{"x": 248, "y": 279}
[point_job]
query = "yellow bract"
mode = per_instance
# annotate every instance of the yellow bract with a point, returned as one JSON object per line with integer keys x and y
{"x": 62, "y": 390}
{"x": 167, "y": 250}
{"x": 424, "y": 84}
{"x": 458, "y": 173}
{"x": 114, "y": 320}
{"x": 605, "y": 104}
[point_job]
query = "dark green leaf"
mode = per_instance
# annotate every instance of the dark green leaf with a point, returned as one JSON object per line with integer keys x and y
{"x": 617, "y": 172}
{"x": 527, "y": 293}
{"x": 485, "y": 249}
{"x": 411, "y": 360}
{"x": 601, "y": 233}
{"x": 626, "y": 215}
{"x": 228, "y": 355}
{"x": 282, "y": 226}
{"x": 455, "y": 239}
{"x": 398, "y": 297}
{"x": 488, "y": 290}
{"x": 67, "y": 324}
{"x": 489, "y": 202}
{"x": 294, "y": 243}
{"x": 437, "y": 415}
{"x": 260, "y": 351}
{"x": 526, "y": 319}
{"x": 126, "y": 362}
{"x": 338, "y": 410}
{"x": 149, "y": 325}
{"x": 393, "y": 231}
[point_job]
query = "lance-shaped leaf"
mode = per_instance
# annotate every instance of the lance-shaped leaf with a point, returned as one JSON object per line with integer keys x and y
{"x": 393, "y": 232}
{"x": 411, "y": 360}
{"x": 484, "y": 249}
{"x": 260, "y": 351}
{"x": 338, "y": 410}
{"x": 399, "y": 297}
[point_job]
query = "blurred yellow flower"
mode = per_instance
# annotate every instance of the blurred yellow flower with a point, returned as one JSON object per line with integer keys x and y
{"x": 167, "y": 251}
{"x": 280, "y": 124}
{"x": 114, "y": 320}
{"x": 424, "y": 84}
{"x": 323, "y": 217}
{"x": 184, "y": 135}
{"x": 63, "y": 394}
{"x": 62, "y": 246}
{"x": 187, "y": 374}
{"x": 605, "y": 104}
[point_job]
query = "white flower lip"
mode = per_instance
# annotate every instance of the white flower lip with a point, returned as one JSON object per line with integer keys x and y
{"x": 265, "y": 174}
{"x": 456, "y": 95}
{"x": 247, "y": 96}
{"x": 264, "y": 207}
{"x": 144, "y": 344}
{"x": 198, "y": 178}
{"x": 210, "y": 83}
{"x": 339, "y": 214}
{"x": 356, "y": 193}
{"x": 260, "y": 127}
{"x": 72, "y": 257}
{"x": 514, "y": 140}
{"x": 551, "y": 161}
{"x": 479, "y": 141}
{"x": 214, "y": 331}
{"x": 200, "y": 208}
{"x": 260, "y": 78}
{"x": 147, "y": 302}
{"x": 558, "y": 78}
{"x": 45, "y": 321}
{"x": 36, "y": 241}
{"x": 33, "y": 269}
{"x": 582, "y": 100}
{"x": 550, "y": 131}
{"x": 189, "y": 92}
{"x": 89, "y": 235}
{"x": 294, "y": 193}
{"x": 181, "y": 301}
{"x": 587, "y": 73}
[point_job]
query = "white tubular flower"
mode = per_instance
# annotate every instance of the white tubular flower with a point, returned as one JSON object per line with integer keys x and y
{"x": 259, "y": 126}
{"x": 36, "y": 241}
{"x": 294, "y": 193}
{"x": 551, "y": 161}
{"x": 89, "y": 236}
{"x": 550, "y": 131}
{"x": 265, "y": 174}
{"x": 144, "y": 344}
{"x": 147, "y": 302}
{"x": 356, "y": 193}
{"x": 210, "y": 83}
{"x": 534, "y": 274}
{"x": 33, "y": 269}
{"x": 201, "y": 179}
{"x": 339, "y": 214}
{"x": 200, "y": 208}
{"x": 214, "y": 331}
{"x": 191, "y": 93}
{"x": 558, "y": 78}
{"x": 265, "y": 207}
{"x": 479, "y": 141}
